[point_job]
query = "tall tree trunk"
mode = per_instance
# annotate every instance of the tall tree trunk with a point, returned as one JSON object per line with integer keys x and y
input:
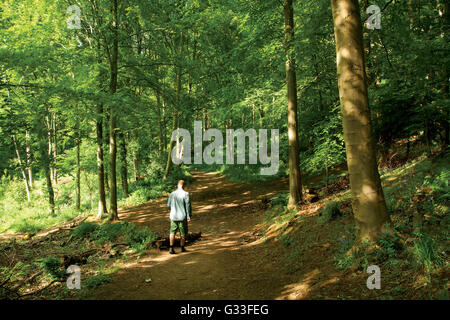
{"x": 100, "y": 164}
{"x": 366, "y": 36}
{"x": 78, "y": 173}
{"x": 295, "y": 182}
{"x": 106, "y": 151}
{"x": 123, "y": 164}
{"x": 368, "y": 202}
{"x": 22, "y": 169}
{"x": 175, "y": 116}
{"x": 112, "y": 123}
{"x": 160, "y": 141}
{"x": 205, "y": 119}
{"x": 54, "y": 148}
{"x": 29, "y": 166}
{"x": 45, "y": 162}
{"x": 51, "y": 194}
{"x": 172, "y": 144}
{"x": 136, "y": 158}
{"x": 445, "y": 86}
{"x": 50, "y": 144}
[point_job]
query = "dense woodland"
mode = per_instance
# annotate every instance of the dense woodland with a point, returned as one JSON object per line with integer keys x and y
{"x": 89, "y": 100}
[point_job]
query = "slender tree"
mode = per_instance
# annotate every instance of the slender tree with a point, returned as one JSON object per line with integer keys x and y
{"x": 295, "y": 182}
{"x": 100, "y": 165}
{"x": 123, "y": 164}
{"x": 113, "y": 120}
{"x": 22, "y": 169}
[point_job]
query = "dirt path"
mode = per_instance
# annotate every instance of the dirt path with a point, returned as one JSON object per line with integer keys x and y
{"x": 227, "y": 263}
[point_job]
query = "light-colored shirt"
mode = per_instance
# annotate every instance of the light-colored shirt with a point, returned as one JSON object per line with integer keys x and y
{"x": 179, "y": 205}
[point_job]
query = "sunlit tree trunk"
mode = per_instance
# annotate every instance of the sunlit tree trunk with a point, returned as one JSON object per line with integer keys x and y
{"x": 295, "y": 183}
{"x": 369, "y": 207}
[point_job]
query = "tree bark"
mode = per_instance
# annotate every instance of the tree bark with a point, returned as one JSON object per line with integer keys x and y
{"x": 205, "y": 119}
{"x": 22, "y": 170}
{"x": 295, "y": 183}
{"x": 100, "y": 164}
{"x": 29, "y": 166}
{"x": 123, "y": 164}
{"x": 112, "y": 123}
{"x": 136, "y": 158}
{"x": 175, "y": 115}
{"x": 445, "y": 86}
{"x": 50, "y": 144}
{"x": 54, "y": 148}
{"x": 368, "y": 202}
{"x": 48, "y": 178}
{"x": 78, "y": 205}
{"x": 172, "y": 144}
{"x": 160, "y": 141}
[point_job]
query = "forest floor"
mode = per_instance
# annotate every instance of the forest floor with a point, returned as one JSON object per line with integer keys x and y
{"x": 250, "y": 248}
{"x": 243, "y": 254}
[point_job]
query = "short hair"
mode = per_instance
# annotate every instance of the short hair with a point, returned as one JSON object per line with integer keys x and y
{"x": 180, "y": 183}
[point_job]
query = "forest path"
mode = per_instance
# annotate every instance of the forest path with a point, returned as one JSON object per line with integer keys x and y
{"x": 228, "y": 262}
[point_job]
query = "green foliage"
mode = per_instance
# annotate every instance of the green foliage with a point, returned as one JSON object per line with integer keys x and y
{"x": 96, "y": 281}
{"x": 85, "y": 229}
{"x": 109, "y": 232}
{"x": 52, "y": 266}
{"x": 330, "y": 212}
{"x": 139, "y": 239}
{"x": 426, "y": 253}
{"x": 280, "y": 199}
{"x": 389, "y": 246}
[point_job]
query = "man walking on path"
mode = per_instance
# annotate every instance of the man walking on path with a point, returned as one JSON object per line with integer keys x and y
{"x": 180, "y": 214}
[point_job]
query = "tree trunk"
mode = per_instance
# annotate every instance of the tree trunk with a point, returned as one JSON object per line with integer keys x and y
{"x": 136, "y": 159}
{"x": 123, "y": 164}
{"x": 369, "y": 207}
{"x": 172, "y": 144}
{"x": 45, "y": 162}
{"x": 29, "y": 166}
{"x": 295, "y": 183}
{"x": 54, "y": 148}
{"x": 100, "y": 164}
{"x": 112, "y": 123}
{"x": 160, "y": 141}
{"x": 78, "y": 173}
{"x": 445, "y": 86}
{"x": 51, "y": 194}
{"x": 106, "y": 151}
{"x": 366, "y": 36}
{"x": 205, "y": 119}
{"x": 22, "y": 170}
{"x": 50, "y": 144}
{"x": 175, "y": 116}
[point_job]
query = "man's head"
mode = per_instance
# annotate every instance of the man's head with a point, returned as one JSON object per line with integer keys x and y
{"x": 180, "y": 184}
